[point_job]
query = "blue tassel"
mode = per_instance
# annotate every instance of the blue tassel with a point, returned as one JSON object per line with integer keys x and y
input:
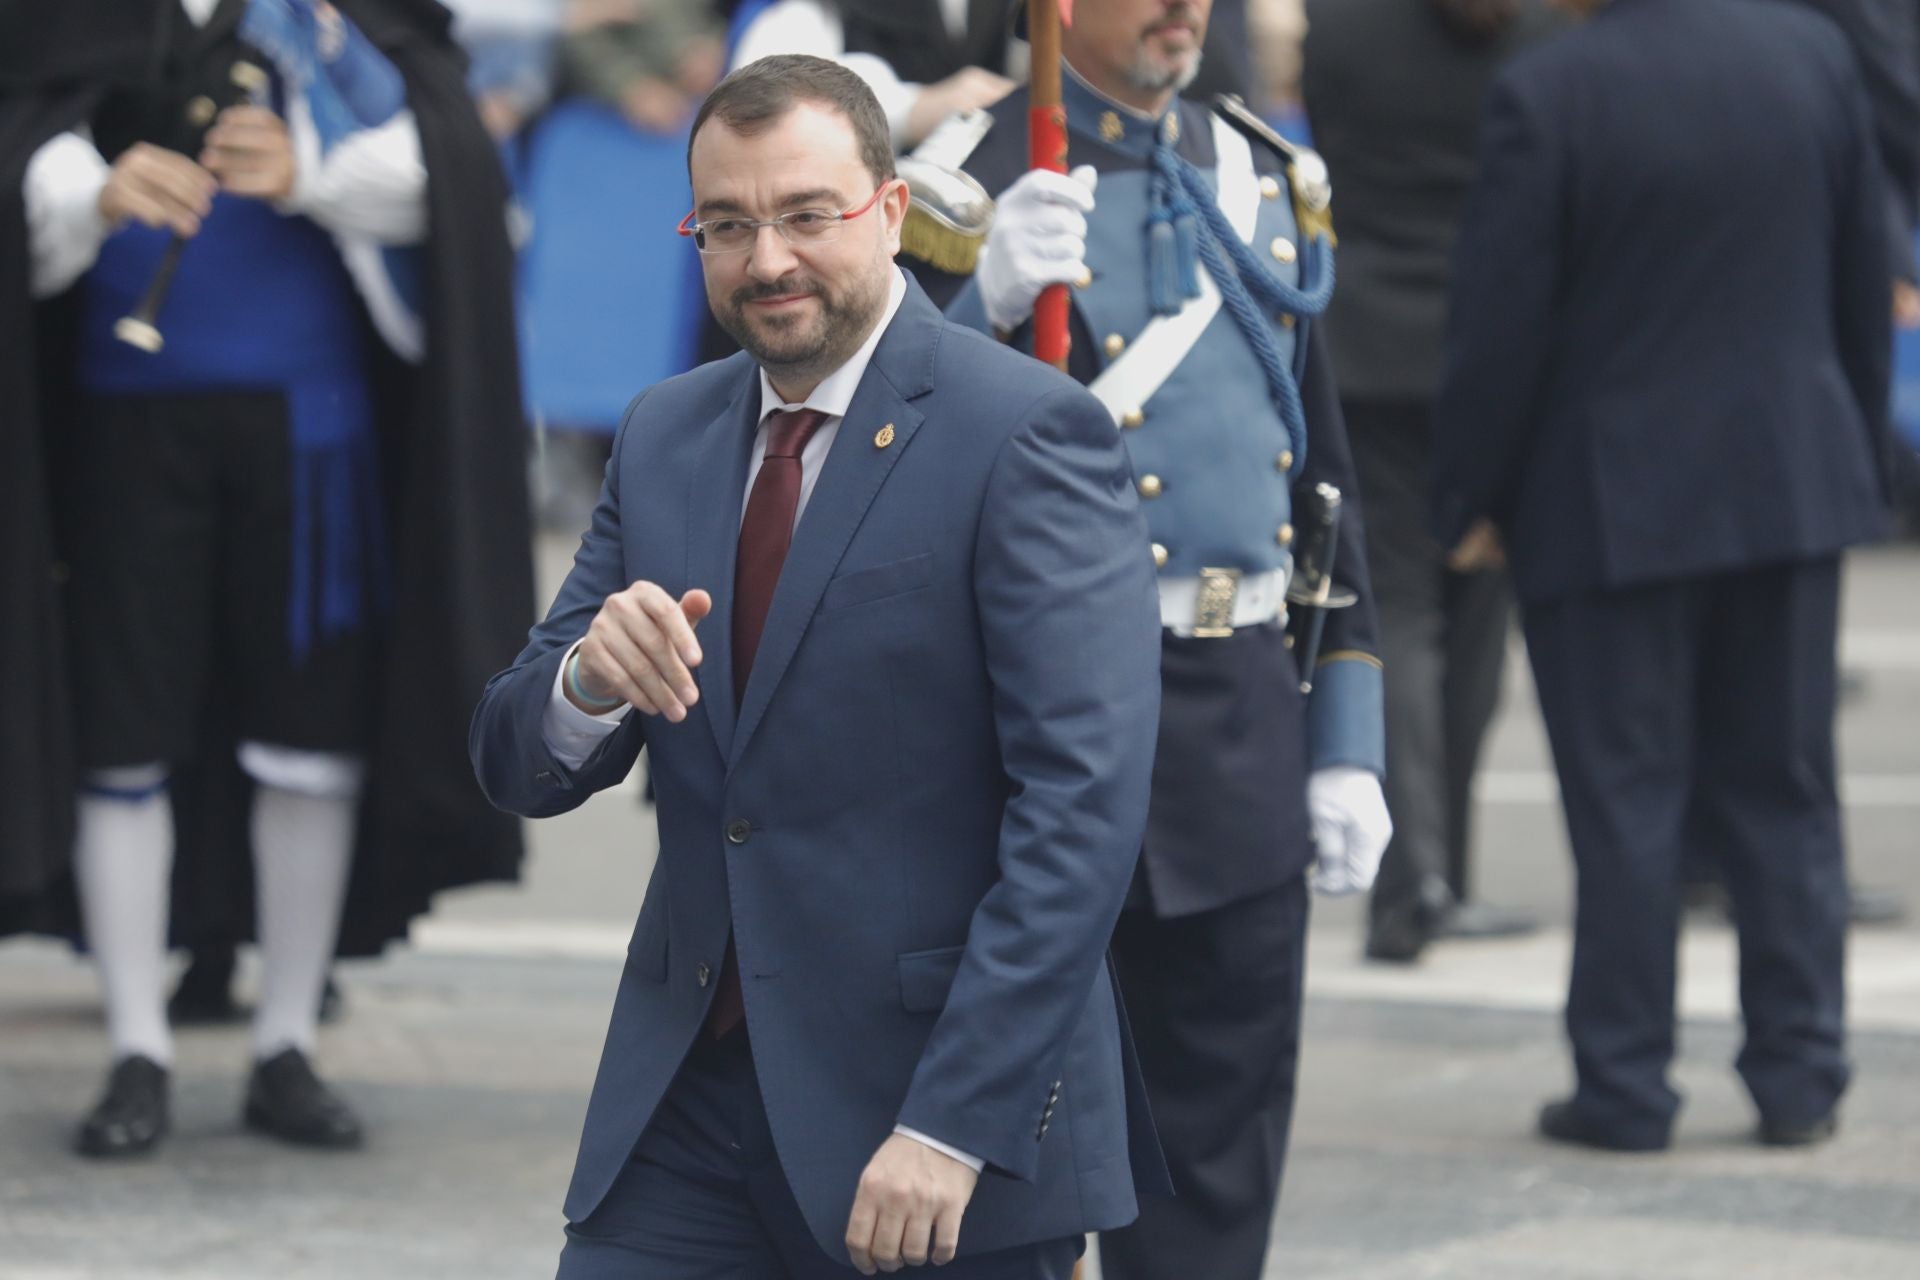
{"x": 1163, "y": 269}
{"x": 1186, "y": 243}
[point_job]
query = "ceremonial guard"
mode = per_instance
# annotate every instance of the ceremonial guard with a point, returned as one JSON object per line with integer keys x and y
{"x": 1199, "y": 251}
{"x": 266, "y": 531}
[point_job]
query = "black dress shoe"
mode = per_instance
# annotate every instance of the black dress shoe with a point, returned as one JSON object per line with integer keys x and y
{"x": 132, "y": 1117}
{"x": 1565, "y": 1122}
{"x": 1774, "y": 1133}
{"x": 1396, "y": 945}
{"x": 204, "y": 996}
{"x": 285, "y": 1099}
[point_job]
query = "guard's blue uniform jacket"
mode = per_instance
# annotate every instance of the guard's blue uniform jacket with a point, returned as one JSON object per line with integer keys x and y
{"x": 1217, "y": 471}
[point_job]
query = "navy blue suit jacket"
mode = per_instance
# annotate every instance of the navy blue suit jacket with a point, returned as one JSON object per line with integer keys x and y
{"x": 1670, "y": 330}
{"x": 920, "y": 820}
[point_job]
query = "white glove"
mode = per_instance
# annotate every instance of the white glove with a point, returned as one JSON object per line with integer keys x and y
{"x": 1039, "y": 237}
{"x": 1350, "y": 829}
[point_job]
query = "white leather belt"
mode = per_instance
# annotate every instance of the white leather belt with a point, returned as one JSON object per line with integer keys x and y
{"x": 1194, "y": 605}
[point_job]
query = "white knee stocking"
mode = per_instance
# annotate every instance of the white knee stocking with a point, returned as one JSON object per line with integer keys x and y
{"x": 302, "y": 852}
{"x": 123, "y": 865}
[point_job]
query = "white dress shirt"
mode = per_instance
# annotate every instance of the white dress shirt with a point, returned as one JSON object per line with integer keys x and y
{"x": 572, "y": 734}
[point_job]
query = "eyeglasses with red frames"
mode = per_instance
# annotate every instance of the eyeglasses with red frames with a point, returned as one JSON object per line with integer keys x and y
{"x": 800, "y": 226}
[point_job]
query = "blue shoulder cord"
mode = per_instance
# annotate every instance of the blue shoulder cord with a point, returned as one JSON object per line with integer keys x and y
{"x": 1186, "y": 228}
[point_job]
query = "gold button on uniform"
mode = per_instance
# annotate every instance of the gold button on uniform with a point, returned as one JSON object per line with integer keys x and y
{"x": 1285, "y": 536}
{"x": 1111, "y": 130}
{"x": 1283, "y": 249}
{"x": 200, "y": 111}
{"x": 1150, "y": 486}
{"x": 1284, "y": 463}
{"x": 1132, "y": 418}
{"x": 1286, "y": 322}
{"x": 1084, "y": 279}
{"x": 1115, "y": 345}
{"x": 1159, "y": 556}
{"x": 1270, "y": 188}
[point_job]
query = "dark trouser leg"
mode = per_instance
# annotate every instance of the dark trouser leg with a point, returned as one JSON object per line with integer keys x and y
{"x": 1768, "y": 806}
{"x": 704, "y": 1197}
{"x": 1615, "y": 671}
{"x": 1479, "y": 610}
{"x": 1214, "y": 999}
{"x": 681, "y": 1209}
{"x": 1391, "y": 446}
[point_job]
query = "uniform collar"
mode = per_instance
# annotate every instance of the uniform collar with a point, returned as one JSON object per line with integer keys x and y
{"x": 1129, "y": 131}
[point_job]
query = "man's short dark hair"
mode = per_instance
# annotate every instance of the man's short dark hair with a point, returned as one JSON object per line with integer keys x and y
{"x": 759, "y": 94}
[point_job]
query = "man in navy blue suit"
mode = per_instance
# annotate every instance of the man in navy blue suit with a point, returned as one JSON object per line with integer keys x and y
{"x": 900, "y": 803}
{"x": 1666, "y": 394}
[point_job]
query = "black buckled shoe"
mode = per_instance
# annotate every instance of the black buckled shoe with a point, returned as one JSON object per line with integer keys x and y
{"x": 131, "y": 1118}
{"x": 288, "y": 1101}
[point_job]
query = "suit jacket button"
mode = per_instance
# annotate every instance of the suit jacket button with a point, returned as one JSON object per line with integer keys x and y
{"x": 738, "y": 830}
{"x": 703, "y": 974}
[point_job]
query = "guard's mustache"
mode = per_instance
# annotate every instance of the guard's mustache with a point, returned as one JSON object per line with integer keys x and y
{"x": 1179, "y": 15}
{"x": 778, "y": 289}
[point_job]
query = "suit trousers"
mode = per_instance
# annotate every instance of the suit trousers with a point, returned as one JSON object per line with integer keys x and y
{"x": 1214, "y": 999}
{"x": 703, "y": 1196}
{"x": 1698, "y": 714}
{"x": 1443, "y": 643}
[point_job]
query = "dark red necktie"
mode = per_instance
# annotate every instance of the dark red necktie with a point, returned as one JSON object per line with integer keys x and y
{"x": 765, "y": 534}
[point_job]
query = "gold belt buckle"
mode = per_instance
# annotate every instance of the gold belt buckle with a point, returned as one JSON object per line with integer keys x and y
{"x": 1213, "y": 610}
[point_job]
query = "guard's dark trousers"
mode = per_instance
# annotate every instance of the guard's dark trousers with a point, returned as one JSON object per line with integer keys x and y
{"x": 1214, "y": 999}
{"x": 1699, "y": 714}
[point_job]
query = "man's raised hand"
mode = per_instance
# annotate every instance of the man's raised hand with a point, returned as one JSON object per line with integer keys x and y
{"x": 640, "y": 649}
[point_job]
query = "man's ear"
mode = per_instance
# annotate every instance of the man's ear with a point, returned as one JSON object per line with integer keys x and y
{"x": 893, "y": 212}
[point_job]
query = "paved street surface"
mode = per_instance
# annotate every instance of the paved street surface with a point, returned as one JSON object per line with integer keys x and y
{"x": 470, "y": 1054}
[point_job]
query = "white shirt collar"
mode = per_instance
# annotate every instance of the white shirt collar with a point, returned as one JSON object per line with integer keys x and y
{"x": 835, "y": 391}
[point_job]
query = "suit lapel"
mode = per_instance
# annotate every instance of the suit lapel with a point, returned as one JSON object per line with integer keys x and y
{"x": 713, "y": 538}
{"x": 854, "y": 471}
{"x": 902, "y": 369}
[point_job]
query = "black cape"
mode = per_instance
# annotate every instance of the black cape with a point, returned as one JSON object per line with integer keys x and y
{"x": 453, "y": 441}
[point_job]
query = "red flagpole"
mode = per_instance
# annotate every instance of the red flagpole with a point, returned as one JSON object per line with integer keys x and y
{"x": 1047, "y": 149}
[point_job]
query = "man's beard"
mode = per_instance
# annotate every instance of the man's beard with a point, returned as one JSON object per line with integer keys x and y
{"x": 796, "y": 342}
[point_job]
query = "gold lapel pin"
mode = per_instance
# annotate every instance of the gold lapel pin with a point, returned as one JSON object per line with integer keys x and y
{"x": 883, "y": 437}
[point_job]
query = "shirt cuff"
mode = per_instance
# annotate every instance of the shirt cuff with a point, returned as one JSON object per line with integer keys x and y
{"x": 372, "y": 183}
{"x": 572, "y": 735}
{"x": 64, "y": 227}
{"x": 974, "y": 1163}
